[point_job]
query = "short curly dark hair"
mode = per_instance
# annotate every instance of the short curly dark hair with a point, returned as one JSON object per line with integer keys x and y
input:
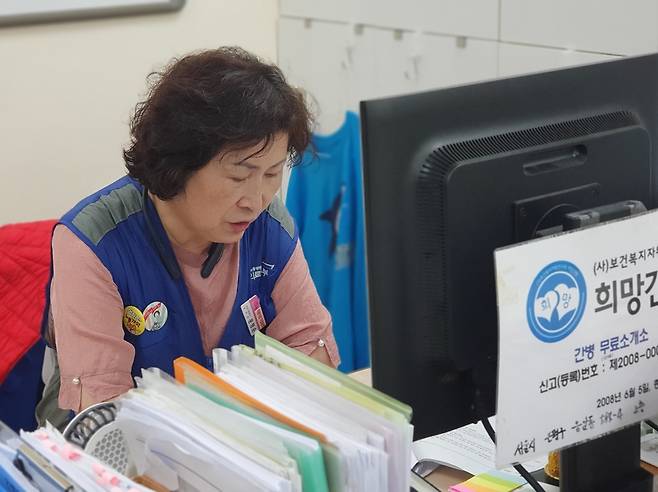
{"x": 205, "y": 103}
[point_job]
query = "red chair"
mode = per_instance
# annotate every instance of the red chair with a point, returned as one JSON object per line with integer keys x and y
{"x": 24, "y": 272}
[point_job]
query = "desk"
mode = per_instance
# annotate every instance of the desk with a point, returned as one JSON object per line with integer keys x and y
{"x": 443, "y": 477}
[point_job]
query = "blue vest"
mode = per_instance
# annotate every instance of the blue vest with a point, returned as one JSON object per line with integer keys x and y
{"x": 124, "y": 231}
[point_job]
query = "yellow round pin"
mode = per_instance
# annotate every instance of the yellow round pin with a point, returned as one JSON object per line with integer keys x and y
{"x": 133, "y": 320}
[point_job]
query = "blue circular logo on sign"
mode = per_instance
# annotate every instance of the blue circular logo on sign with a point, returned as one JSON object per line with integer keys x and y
{"x": 556, "y": 301}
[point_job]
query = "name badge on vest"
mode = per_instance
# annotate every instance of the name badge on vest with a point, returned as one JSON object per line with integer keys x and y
{"x": 253, "y": 314}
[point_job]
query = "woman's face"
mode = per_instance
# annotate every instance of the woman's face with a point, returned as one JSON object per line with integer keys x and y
{"x": 227, "y": 194}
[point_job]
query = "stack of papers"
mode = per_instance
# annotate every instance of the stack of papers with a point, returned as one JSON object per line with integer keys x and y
{"x": 468, "y": 448}
{"x": 267, "y": 419}
{"x": 492, "y": 481}
{"x": 48, "y": 463}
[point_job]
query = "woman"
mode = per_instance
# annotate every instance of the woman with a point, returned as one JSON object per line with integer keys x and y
{"x": 192, "y": 250}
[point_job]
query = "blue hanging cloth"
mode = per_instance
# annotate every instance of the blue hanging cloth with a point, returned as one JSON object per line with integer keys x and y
{"x": 325, "y": 198}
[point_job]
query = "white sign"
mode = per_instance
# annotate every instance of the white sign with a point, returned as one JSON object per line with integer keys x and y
{"x": 578, "y": 346}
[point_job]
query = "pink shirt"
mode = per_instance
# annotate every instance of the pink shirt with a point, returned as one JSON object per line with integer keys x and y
{"x": 87, "y": 312}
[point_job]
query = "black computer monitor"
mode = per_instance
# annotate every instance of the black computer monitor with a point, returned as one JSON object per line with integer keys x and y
{"x": 452, "y": 174}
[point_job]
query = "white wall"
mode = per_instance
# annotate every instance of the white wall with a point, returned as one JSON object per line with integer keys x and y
{"x": 67, "y": 91}
{"x": 418, "y": 45}
{"x": 600, "y": 26}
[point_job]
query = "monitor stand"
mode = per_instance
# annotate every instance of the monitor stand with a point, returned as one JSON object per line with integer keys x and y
{"x": 608, "y": 464}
